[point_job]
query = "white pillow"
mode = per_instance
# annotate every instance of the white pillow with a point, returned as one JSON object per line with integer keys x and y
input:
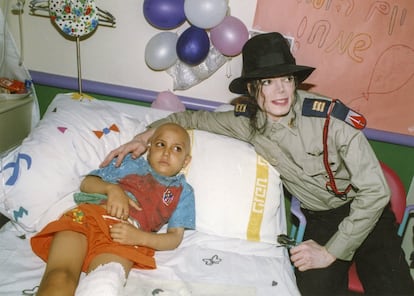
{"x": 72, "y": 139}
{"x": 237, "y": 193}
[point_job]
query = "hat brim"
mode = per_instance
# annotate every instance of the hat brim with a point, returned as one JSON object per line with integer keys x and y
{"x": 239, "y": 85}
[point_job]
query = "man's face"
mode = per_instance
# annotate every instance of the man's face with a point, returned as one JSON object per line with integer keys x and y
{"x": 276, "y": 96}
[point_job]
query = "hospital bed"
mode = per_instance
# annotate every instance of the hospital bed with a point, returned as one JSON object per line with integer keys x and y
{"x": 240, "y": 206}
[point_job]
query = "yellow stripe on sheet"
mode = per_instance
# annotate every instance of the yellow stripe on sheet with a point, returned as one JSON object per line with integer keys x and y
{"x": 258, "y": 201}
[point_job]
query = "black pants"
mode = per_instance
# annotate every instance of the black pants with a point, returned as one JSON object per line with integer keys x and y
{"x": 380, "y": 260}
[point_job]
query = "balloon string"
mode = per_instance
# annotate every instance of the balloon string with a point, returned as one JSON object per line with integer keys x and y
{"x": 228, "y": 68}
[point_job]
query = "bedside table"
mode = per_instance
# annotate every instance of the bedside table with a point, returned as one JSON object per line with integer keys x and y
{"x": 15, "y": 122}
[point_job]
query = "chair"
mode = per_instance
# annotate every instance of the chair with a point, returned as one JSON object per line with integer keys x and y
{"x": 408, "y": 210}
{"x": 398, "y": 205}
{"x": 298, "y": 231}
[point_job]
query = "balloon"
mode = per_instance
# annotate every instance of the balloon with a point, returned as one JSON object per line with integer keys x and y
{"x": 229, "y": 36}
{"x": 193, "y": 46}
{"x": 164, "y": 14}
{"x": 160, "y": 51}
{"x": 166, "y": 100}
{"x": 205, "y": 14}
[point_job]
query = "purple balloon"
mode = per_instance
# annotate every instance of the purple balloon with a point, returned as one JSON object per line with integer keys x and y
{"x": 193, "y": 46}
{"x": 164, "y": 14}
{"x": 229, "y": 36}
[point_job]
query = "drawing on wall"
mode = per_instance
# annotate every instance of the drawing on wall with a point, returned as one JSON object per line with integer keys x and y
{"x": 363, "y": 52}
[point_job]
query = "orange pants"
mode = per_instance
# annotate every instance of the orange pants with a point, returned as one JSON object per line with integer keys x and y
{"x": 88, "y": 220}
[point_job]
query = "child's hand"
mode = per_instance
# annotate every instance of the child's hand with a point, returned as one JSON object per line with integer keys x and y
{"x": 135, "y": 205}
{"x": 125, "y": 233}
{"x": 118, "y": 203}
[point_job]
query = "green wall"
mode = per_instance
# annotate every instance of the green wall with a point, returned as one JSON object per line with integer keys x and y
{"x": 399, "y": 158}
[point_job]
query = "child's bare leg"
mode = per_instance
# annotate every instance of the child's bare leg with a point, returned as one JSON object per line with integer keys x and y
{"x": 66, "y": 255}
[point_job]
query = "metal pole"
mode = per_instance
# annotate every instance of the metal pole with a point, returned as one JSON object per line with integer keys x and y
{"x": 78, "y": 58}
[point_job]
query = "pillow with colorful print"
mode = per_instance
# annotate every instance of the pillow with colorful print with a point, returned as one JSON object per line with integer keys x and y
{"x": 72, "y": 138}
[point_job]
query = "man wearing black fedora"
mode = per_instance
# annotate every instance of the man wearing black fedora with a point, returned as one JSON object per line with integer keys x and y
{"x": 323, "y": 159}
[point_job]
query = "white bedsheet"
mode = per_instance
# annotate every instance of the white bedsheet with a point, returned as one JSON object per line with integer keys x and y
{"x": 202, "y": 265}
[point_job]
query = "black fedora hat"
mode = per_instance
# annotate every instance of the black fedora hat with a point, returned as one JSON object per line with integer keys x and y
{"x": 264, "y": 56}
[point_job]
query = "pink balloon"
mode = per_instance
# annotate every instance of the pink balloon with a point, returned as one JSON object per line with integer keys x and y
{"x": 166, "y": 100}
{"x": 229, "y": 36}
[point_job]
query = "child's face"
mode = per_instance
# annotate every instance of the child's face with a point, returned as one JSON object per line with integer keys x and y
{"x": 169, "y": 150}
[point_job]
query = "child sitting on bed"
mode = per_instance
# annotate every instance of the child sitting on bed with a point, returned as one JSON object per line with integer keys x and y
{"x": 113, "y": 228}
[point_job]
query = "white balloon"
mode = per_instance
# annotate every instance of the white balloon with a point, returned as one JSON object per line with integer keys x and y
{"x": 160, "y": 52}
{"x": 205, "y": 14}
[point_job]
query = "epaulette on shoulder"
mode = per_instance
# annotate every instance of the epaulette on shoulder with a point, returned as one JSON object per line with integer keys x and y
{"x": 319, "y": 108}
{"x": 246, "y": 109}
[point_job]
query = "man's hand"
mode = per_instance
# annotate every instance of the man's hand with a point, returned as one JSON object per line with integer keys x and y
{"x": 310, "y": 255}
{"x": 137, "y": 146}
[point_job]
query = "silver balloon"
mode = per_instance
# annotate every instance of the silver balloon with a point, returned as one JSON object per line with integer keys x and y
{"x": 205, "y": 14}
{"x": 185, "y": 76}
{"x": 160, "y": 51}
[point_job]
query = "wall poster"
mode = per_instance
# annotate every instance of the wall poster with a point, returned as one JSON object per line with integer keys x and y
{"x": 363, "y": 52}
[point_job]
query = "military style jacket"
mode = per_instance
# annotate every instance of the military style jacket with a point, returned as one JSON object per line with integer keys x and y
{"x": 294, "y": 147}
